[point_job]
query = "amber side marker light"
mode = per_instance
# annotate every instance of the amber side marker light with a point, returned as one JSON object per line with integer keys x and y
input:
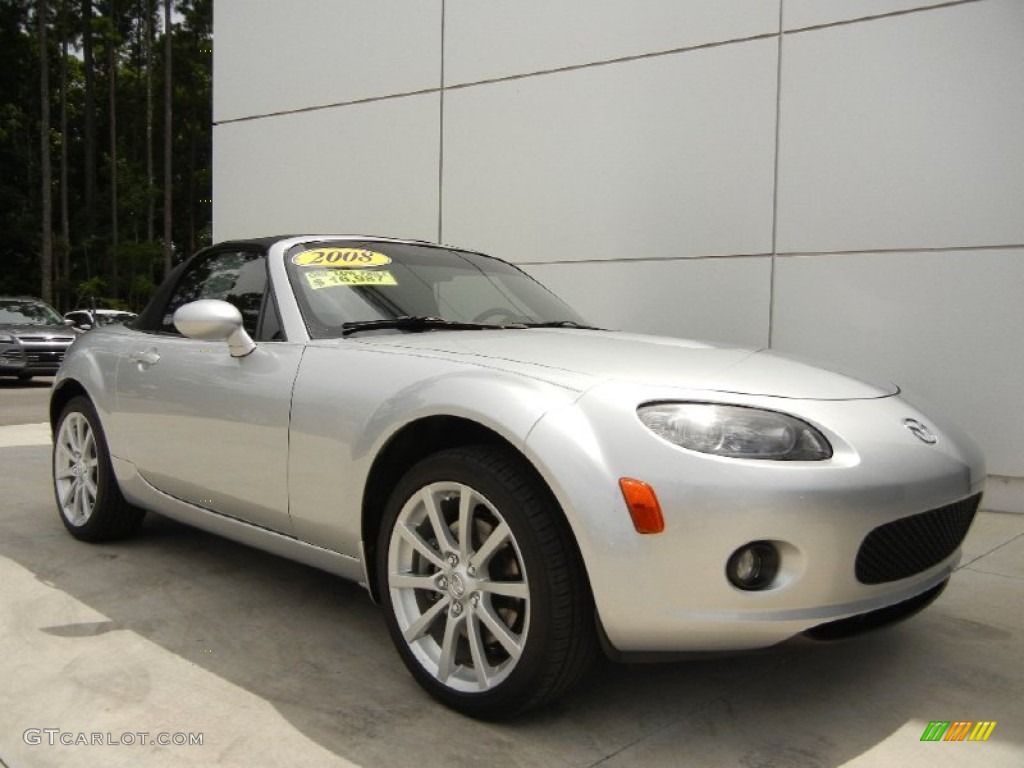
{"x": 643, "y": 505}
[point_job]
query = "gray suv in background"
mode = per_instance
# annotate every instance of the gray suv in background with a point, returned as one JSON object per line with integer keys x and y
{"x": 33, "y": 338}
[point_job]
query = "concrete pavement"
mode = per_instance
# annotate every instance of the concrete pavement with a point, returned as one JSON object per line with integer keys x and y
{"x": 177, "y": 633}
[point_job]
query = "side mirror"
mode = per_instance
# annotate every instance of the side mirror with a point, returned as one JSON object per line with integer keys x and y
{"x": 214, "y": 320}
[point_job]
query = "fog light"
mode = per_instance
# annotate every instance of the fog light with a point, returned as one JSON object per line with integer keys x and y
{"x": 753, "y": 566}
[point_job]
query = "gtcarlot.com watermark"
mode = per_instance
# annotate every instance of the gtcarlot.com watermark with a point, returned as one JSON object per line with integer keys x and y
{"x": 56, "y": 736}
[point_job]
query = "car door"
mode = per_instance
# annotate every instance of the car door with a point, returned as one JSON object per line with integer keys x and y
{"x": 203, "y": 426}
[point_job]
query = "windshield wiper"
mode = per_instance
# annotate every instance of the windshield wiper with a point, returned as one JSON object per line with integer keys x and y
{"x": 563, "y": 324}
{"x": 412, "y": 323}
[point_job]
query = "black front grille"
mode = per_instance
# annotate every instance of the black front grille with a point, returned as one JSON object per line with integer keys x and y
{"x": 45, "y": 357}
{"x": 914, "y": 544}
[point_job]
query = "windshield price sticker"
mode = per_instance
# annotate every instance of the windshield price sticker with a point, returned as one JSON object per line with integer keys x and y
{"x": 328, "y": 278}
{"x": 344, "y": 258}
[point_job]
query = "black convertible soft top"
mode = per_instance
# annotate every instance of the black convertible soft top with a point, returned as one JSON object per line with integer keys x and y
{"x": 151, "y": 318}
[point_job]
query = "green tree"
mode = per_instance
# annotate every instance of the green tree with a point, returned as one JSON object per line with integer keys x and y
{"x": 96, "y": 63}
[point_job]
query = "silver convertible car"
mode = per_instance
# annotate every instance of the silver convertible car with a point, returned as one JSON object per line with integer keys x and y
{"x": 518, "y": 489}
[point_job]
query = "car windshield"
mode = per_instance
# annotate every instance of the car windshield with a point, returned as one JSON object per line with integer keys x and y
{"x": 27, "y": 312}
{"x": 344, "y": 286}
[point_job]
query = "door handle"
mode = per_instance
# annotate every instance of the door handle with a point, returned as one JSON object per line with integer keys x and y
{"x": 148, "y": 357}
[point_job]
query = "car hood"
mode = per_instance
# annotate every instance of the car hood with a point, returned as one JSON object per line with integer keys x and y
{"x": 62, "y": 331}
{"x": 650, "y": 360}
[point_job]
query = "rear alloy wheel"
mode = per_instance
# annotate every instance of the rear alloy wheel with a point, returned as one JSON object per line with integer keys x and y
{"x": 486, "y": 599}
{"x": 89, "y": 501}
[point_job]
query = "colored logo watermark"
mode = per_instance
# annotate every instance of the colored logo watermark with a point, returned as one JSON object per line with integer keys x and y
{"x": 958, "y": 730}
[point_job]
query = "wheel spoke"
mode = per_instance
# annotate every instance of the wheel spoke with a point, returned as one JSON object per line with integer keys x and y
{"x": 517, "y": 589}
{"x": 64, "y": 474}
{"x": 76, "y": 502}
{"x": 79, "y": 434}
{"x": 419, "y": 627}
{"x": 67, "y": 433}
{"x": 447, "y": 662}
{"x": 476, "y": 648}
{"x": 84, "y": 501}
{"x": 90, "y": 487}
{"x": 419, "y": 544}
{"x": 68, "y": 455}
{"x": 465, "y": 523}
{"x": 414, "y": 581}
{"x": 499, "y": 536}
{"x": 510, "y": 642}
{"x": 437, "y": 522}
{"x": 68, "y": 493}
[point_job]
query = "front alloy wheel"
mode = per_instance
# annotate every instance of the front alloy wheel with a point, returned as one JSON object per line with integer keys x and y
{"x": 487, "y": 601}
{"x": 460, "y": 595}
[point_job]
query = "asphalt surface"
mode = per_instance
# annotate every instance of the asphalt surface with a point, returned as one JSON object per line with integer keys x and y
{"x": 24, "y": 402}
{"x": 178, "y": 632}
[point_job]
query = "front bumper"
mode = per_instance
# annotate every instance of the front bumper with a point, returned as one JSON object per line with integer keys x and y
{"x": 32, "y": 359}
{"x": 669, "y": 592}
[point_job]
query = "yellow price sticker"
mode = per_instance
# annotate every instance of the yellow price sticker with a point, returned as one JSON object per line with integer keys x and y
{"x": 340, "y": 258}
{"x": 328, "y": 278}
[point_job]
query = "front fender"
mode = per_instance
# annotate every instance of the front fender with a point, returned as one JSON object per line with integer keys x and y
{"x": 346, "y": 407}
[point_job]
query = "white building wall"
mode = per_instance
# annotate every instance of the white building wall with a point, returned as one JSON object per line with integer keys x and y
{"x": 838, "y": 179}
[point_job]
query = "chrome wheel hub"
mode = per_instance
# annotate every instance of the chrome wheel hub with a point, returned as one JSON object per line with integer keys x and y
{"x": 458, "y": 587}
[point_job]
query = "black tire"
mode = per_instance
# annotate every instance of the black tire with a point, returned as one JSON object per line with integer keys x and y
{"x": 89, "y": 500}
{"x": 532, "y": 581}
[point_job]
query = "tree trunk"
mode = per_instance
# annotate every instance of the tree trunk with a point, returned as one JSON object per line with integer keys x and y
{"x": 46, "y": 257}
{"x": 148, "y": 47}
{"x": 90, "y": 120}
{"x": 64, "y": 287}
{"x": 112, "y": 74}
{"x": 168, "y": 141}
{"x": 191, "y": 192}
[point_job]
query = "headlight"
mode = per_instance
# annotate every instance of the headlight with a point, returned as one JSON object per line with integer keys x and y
{"x": 735, "y": 431}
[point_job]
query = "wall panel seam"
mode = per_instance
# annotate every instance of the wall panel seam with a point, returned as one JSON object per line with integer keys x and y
{"x": 875, "y": 17}
{"x": 612, "y": 61}
{"x": 785, "y": 254}
{"x": 647, "y": 260}
{"x": 906, "y": 249}
{"x": 321, "y": 107}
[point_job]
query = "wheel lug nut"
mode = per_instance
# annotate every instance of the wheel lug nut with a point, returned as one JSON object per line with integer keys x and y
{"x": 476, "y": 598}
{"x": 471, "y": 571}
{"x": 456, "y": 609}
{"x": 453, "y": 560}
{"x": 442, "y": 582}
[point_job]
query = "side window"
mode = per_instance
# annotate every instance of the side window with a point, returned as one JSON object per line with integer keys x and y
{"x": 239, "y": 278}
